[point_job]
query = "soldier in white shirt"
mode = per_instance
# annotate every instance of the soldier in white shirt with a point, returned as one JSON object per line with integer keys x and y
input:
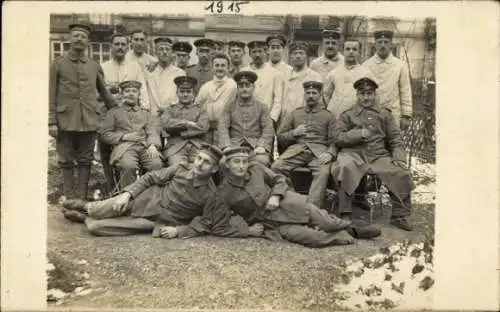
{"x": 275, "y": 44}
{"x": 393, "y": 78}
{"x": 138, "y": 53}
{"x": 217, "y": 93}
{"x": 162, "y": 89}
{"x": 269, "y": 85}
{"x": 331, "y": 58}
{"x": 339, "y": 92}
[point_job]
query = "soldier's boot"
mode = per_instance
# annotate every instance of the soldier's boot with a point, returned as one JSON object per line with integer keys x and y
{"x": 345, "y": 205}
{"x": 68, "y": 176}
{"x": 400, "y": 211}
{"x": 82, "y": 187}
{"x": 360, "y": 196}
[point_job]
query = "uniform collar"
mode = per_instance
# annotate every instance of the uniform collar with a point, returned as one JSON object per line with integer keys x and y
{"x": 74, "y": 58}
{"x": 196, "y": 181}
{"x": 326, "y": 60}
{"x": 351, "y": 67}
{"x": 249, "y": 103}
{"x": 237, "y": 181}
{"x": 185, "y": 105}
{"x": 315, "y": 109}
{"x": 389, "y": 59}
{"x": 129, "y": 108}
{"x": 252, "y": 66}
{"x": 358, "y": 108}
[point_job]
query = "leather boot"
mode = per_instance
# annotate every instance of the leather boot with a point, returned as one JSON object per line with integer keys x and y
{"x": 83, "y": 182}
{"x": 345, "y": 202}
{"x": 68, "y": 176}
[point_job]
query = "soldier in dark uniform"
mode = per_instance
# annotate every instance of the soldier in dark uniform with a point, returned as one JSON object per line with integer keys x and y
{"x": 236, "y": 53}
{"x": 203, "y": 70}
{"x": 369, "y": 139}
{"x": 182, "y": 50}
{"x": 75, "y": 81}
{"x": 184, "y": 124}
{"x": 308, "y": 134}
{"x": 178, "y": 201}
{"x": 133, "y": 133}
{"x": 260, "y": 195}
{"x": 246, "y": 121}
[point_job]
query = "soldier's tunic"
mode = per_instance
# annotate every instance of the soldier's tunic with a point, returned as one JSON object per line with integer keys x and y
{"x": 324, "y": 65}
{"x": 268, "y": 88}
{"x": 235, "y": 69}
{"x": 293, "y": 97}
{"x": 357, "y": 158}
{"x": 339, "y": 91}
{"x": 144, "y": 60}
{"x": 246, "y": 124}
{"x": 394, "y": 88}
{"x": 248, "y": 196}
{"x": 162, "y": 89}
{"x": 115, "y": 73}
{"x": 171, "y": 196}
{"x": 282, "y": 67}
{"x": 183, "y": 141}
{"x": 214, "y": 96}
{"x": 305, "y": 150}
{"x": 202, "y": 74}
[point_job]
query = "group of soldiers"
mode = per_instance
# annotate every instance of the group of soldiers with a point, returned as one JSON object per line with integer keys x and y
{"x": 193, "y": 145}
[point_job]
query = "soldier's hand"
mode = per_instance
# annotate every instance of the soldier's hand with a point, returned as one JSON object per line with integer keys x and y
{"x": 325, "y": 158}
{"x": 151, "y": 67}
{"x": 120, "y": 203}
{"x": 153, "y": 152}
{"x": 192, "y": 124}
{"x": 168, "y": 232}
{"x": 273, "y": 203}
{"x": 365, "y": 133}
{"x": 300, "y": 130}
{"x": 53, "y": 131}
{"x": 405, "y": 123}
{"x": 399, "y": 163}
{"x": 256, "y": 230}
{"x": 260, "y": 150}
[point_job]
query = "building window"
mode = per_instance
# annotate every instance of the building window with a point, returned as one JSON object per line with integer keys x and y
{"x": 58, "y": 48}
{"x": 313, "y": 52}
{"x": 99, "y": 51}
{"x": 158, "y": 24}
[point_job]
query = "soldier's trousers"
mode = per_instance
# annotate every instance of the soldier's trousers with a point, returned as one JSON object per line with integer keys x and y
{"x": 104, "y": 221}
{"x": 400, "y": 208}
{"x": 105, "y": 153}
{"x": 74, "y": 147}
{"x": 132, "y": 160}
{"x": 186, "y": 154}
{"x": 285, "y": 165}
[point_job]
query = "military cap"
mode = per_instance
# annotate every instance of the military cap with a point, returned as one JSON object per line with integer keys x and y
{"x": 162, "y": 39}
{"x": 331, "y": 33}
{"x": 185, "y": 82}
{"x": 312, "y": 85}
{"x": 219, "y": 43}
{"x": 238, "y": 44}
{"x": 204, "y": 42}
{"x": 365, "y": 83}
{"x": 182, "y": 46}
{"x": 385, "y": 33}
{"x": 299, "y": 46}
{"x": 212, "y": 150}
{"x": 256, "y": 44}
{"x": 281, "y": 39}
{"x": 237, "y": 151}
{"x": 80, "y": 26}
{"x": 245, "y": 76}
{"x": 130, "y": 84}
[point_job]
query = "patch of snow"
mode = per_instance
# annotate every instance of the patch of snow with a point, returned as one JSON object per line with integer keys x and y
{"x": 49, "y": 267}
{"x": 56, "y": 294}
{"x": 82, "y": 262}
{"x": 85, "y": 292}
{"x": 400, "y": 276}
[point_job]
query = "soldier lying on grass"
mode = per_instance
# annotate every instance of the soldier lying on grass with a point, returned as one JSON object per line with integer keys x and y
{"x": 178, "y": 201}
{"x": 260, "y": 195}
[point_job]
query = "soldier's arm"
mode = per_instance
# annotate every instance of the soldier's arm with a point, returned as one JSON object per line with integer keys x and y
{"x": 202, "y": 122}
{"x": 108, "y": 131}
{"x": 108, "y": 98}
{"x": 171, "y": 124}
{"x": 53, "y": 81}
{"x": 405, "y": 92}
{"x": 278, "y": 86}
{"x": 332, "y": 148}
{"x": 144, "y": 97}
{"x": 157, "y": 177}
{"x": 276, "y": 181}
{"x": 223, "y": 127}
{"x": 215, "y": 220}
{"x": 285, "y": 130}
{"x": 267, "y": 136}
{"x": 344, "y": 135}
{"x": 152, "y": 131}
{"x": 393, "y": 138}
{"x": 329, "y": 87}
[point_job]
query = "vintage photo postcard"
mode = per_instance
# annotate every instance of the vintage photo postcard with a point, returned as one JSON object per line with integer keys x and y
{"x": 240, "y": 155}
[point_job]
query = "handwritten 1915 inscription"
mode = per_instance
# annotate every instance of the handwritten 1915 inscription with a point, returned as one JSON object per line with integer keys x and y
{"x": 219, "y": 7}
